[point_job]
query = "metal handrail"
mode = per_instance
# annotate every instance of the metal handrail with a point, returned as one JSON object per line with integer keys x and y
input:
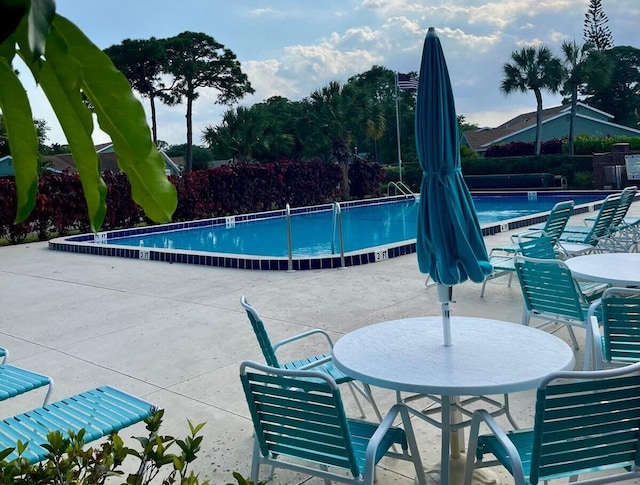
{"x": 287, "y": 213}
{"x": 337, "y": 224}
{"x": 400, "y": 187}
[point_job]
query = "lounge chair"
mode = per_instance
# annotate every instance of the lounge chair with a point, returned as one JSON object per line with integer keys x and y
{"x": 16, "y": 380}
{"x": 585, "y": 423}
{"x": 319, "y": 362}
{"x": 577, "y": 240}
{"x": 501, "y": 257}
{"x": 99, "y": 412}
{"x": 300, "y": 424}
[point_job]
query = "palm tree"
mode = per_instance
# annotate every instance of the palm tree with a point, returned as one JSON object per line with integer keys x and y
{"x": 574, "y": 60}
{"x": 533, "y": 69}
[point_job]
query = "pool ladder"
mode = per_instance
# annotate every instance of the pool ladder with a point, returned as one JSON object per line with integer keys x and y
{"x": 402, "y": 188}
{"x": 337, "y": 227}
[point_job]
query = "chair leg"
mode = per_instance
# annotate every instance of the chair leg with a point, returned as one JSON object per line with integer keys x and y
{"x": 572, "y": 336}
{"x": 484, "y": 284}
{"x": 507, "y": 412}
{"x": 372, "y": 402}
{"x": 352, "y": 388}
{"x": 255, "y": 462}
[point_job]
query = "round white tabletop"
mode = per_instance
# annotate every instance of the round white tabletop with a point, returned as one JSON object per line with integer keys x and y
{"x": 618, "y": 269}
{"x": 487, "y": 356}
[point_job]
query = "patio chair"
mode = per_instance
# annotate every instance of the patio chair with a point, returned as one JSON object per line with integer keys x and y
{"x": 99, "y": 412}
{"x": 501, "y": 257}
{"x": 543, "y": 248}
{"x": 585, "y": 422}
{"x": 621, "y": 236}
{"x": 319, "y": 362}
{"x": 16, "y": 380}
{"x": 619, "y": 341}
{"x": 300, "y": 424}
{"x": 577, "y": 240}
{"x": 551, "y": 294}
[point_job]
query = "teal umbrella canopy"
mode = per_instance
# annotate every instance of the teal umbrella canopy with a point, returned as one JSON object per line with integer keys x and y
{"x": 450, "y": 246}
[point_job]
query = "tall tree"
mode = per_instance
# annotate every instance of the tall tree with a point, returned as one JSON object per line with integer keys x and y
{"x": 596, "y": 30}
{"x": 196, "y": 60}
{"x": 535, "y": 70}
{"x": 142, "y": 62}
{"x": 620, "y": 95}
{"x": 574, "y": 60}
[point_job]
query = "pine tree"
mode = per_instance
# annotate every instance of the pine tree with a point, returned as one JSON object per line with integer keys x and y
{"x": 596, "y": 31}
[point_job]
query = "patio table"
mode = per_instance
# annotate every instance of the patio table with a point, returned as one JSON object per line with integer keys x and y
{"x": 617, "y": 269}
{"x": 487, "y": 357}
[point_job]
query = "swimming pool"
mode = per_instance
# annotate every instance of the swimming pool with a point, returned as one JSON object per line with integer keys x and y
{"x": 373, "y": 230}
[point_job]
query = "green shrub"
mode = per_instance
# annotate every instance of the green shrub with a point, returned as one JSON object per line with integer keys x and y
{"x": 588, "y": 145}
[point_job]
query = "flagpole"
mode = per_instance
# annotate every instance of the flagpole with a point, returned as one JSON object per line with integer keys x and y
{"x": 398, "y": 130}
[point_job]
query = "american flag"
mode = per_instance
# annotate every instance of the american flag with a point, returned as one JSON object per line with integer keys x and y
{"x": 407, "y": 82}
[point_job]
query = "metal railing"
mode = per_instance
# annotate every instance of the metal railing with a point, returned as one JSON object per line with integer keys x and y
{"x": 401, "y": 188}
{"x": 337, "y": 226}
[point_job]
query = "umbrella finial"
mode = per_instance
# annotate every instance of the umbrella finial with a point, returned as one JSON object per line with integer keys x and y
{"x": 432, "y": 31}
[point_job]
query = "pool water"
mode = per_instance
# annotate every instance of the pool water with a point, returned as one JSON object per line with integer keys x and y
{"x": 315, "y": 233}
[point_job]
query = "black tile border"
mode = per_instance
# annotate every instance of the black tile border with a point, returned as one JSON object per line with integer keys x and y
{"x": 84, "y": 243}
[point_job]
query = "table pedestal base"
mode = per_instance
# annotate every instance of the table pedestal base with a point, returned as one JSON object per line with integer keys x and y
{"x": 481, "y": 476}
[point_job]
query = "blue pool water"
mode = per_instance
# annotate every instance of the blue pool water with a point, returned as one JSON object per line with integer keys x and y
{"x": 313, "y": 233}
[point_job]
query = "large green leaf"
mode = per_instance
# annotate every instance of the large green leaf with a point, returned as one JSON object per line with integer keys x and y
{"x": 60, "y": 78}
{"x": 41, "y": 14}
{"x": 23, "y": 139}
{"x": 121, "y": 115}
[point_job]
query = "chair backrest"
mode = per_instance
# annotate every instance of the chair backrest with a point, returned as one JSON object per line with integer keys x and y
{"x": 298, "y": 414}
{"x": 627, "y": 196}
{"x": 603, "y": 220}
{"x": 585, "y": 422}
{"x": 549, "y": 288}
{"x": 541, "y": 247}
{"x": 621, "y": 324}
{"x": 261, "y": 333}
{"x": 558, "y": 218}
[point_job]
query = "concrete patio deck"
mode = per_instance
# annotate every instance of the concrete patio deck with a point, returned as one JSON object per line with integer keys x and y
{"x": 175, "y": 334}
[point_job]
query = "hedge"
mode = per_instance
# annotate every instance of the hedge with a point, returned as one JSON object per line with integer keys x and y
{"x": 226, "y": 190}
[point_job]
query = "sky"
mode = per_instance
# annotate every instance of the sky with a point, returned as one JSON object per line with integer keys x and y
{"x": 290, "y": 48}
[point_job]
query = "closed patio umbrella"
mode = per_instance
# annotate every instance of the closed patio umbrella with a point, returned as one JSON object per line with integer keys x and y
{"x": 449, "y": 240}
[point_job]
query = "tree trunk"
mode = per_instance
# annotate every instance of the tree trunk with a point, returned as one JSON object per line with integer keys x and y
{"x": 154, "y": 126}
{"x": 572, "y": 117}
{"x": 188, "y": 162}
{"x": 346, "y": 192}
{"x": 538, "y": 121}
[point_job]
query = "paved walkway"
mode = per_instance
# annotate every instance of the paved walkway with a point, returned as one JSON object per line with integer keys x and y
{"x": 176, "y": 334}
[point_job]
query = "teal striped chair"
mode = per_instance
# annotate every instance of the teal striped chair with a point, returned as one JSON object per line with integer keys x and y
{"x": 576, "y": 240}
{"x": 99, "y": 412}
{"x": 320, "y": 362}
{"x": 300, "y": 424}
{"x": 501, "y": 257}
{"x": 551, "y": 294}
{"x": 585, "y": 423}
{"x": 616, "y": 335}
{"x": 16, "y": 380}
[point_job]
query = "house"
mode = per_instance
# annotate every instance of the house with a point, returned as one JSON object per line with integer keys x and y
{"x": 6, "y": 166}
{"x": 555, "y": 124}
{"x": 108, "y": 161}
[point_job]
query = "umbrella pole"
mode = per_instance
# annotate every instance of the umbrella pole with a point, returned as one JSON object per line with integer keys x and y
{"x": 445, "y": 292}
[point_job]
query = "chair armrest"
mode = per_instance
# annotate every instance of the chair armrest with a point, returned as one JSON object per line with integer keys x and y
{"x": 316, "y": 363}
{"x": 597, "y": 341}
{"x": 483, "y": 416}
{"x": 378, "y": 435}
{"x": 300, "y": 336}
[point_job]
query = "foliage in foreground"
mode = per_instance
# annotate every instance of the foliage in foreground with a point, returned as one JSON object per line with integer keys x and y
{"x": 71, "y": 463}
{"x": 161, "y": 459}
{"x": 71, "y": 69}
